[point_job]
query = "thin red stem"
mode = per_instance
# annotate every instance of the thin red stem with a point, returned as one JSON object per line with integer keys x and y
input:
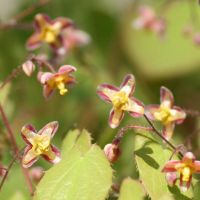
{"x": 14, "y": 73}
{"x": 7, "y": 171}
{"x": 16, "y": 149}
{"x": 161, "y": 136}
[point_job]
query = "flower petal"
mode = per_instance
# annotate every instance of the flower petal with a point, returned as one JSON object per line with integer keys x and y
{"x": 177, "y": 114}
{"x": 115, "y": 118}
{"x": 197, "y": 166}
{"x": 106, "y": 92}
{"x": 28, "y": 132}
{"x": 53, "y": 155}
{"x": 66, "y": 69}
{"x": 29, "y": 157}
{"x": 44, "y": 77}
{"x": 49, "y": 129}
{"x": 47, "y": 91}
{"x": 65, "y": 22}
{"x": 150, "y": 110}
{"x": 171, "y": 166}
{"x": 74, "y": 37}
{"x": 168, "y": 130}
{"x": 166, "y": 97}
{"x": 128, "y": 84}
{"x": 33, "y": 42}
{"x": 41, "y": 20}
{"x": 135, "y": 107}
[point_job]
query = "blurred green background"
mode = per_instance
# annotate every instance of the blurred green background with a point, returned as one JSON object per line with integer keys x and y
{"x": 116, "y": 49}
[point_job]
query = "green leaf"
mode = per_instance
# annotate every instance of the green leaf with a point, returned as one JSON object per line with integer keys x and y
{"x": 78, "y": 138}
{"x": 18, "y": 196}
{"x": 131, "y": 189}
{"x": 150, "y": 158}
{"x": 83, "y": 174}
{"x": 197, "y": 191}
{"x": 15, "y": 182}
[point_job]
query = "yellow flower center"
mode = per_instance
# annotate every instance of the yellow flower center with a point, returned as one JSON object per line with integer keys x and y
{"x": 49, "y": 33}
{"x": 186, "y": 173}
{"x": 58, "y": 82}
{"x": 41, "y": 144}
{"x": 163, "y": 114}
{"x": 119, "y": 100}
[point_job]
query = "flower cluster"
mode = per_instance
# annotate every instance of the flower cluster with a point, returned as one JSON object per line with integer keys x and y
{"x": 61, "y": 34}
{"x": 167, "y": 113}
{"x": 148, "y": 20}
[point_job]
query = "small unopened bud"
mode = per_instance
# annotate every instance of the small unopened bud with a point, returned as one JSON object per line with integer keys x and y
{"x": 112, "y": 152}
{"x": 28, "y": 67}
{"x": 36, "y": 174}
{"x": 171, "y": 178}
{"x": 2, "y": 170}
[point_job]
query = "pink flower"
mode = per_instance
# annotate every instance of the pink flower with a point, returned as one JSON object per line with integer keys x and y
{"x": 75, "y": 38}
{"x": 166, "y": 112}
{"x": 149, "y": 21}
{"x": 185, "y": 167}
{"x": 121, "y": 99}
{"x": 52, "y": 81}
{"x": 48, "y": 31}
{"x": 39, "y": 144}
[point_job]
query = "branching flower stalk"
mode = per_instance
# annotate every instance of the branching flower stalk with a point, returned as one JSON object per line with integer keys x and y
{"x": 16, "y": 150}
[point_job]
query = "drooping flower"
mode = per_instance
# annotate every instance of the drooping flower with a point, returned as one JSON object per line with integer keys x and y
{"x": 148, "y": 20}
{"x": 48, "y": 31}
{"x": 39, "y": 144}
{"x": 185, "y": 167}
{"x": 58, "y": 80}
{"x": 166, "y": 112}
{"x": 121, "y": 99}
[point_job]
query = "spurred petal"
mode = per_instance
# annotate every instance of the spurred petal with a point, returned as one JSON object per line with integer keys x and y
{"x": 33, "y": 42}
{"x": 65, "y": 22}
{"x": 53, "y": 155}
{"x": 128, "y": 84}
{"x": 115, "y": 118}
{"x": 29, "y": 157}
{"x": 197, "y": 166}
{"x": 177, "y": 114}
{"x": 44, "y": 77}
{"x": 47, "y": 91}
{"x": 41, "y": 20}
{"x": 28, "y": 132}
{"x": 171, "y": 166}
{"x": 168, "y": 130}
{"x": 166, "y": 97}
{"x": 135, "y": 107}
{"x": 49, "y": 129}
{"x": 66, "y": 69}
{"x": 150, "y": 110}
{"x": 106, "y": 92}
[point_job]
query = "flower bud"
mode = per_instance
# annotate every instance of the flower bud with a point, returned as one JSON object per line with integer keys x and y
{"x": 112, "y": 152}
{"x": 171, "y": 178}
{"x": 36, "y": 174}
{"x": 28, "y": 67}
